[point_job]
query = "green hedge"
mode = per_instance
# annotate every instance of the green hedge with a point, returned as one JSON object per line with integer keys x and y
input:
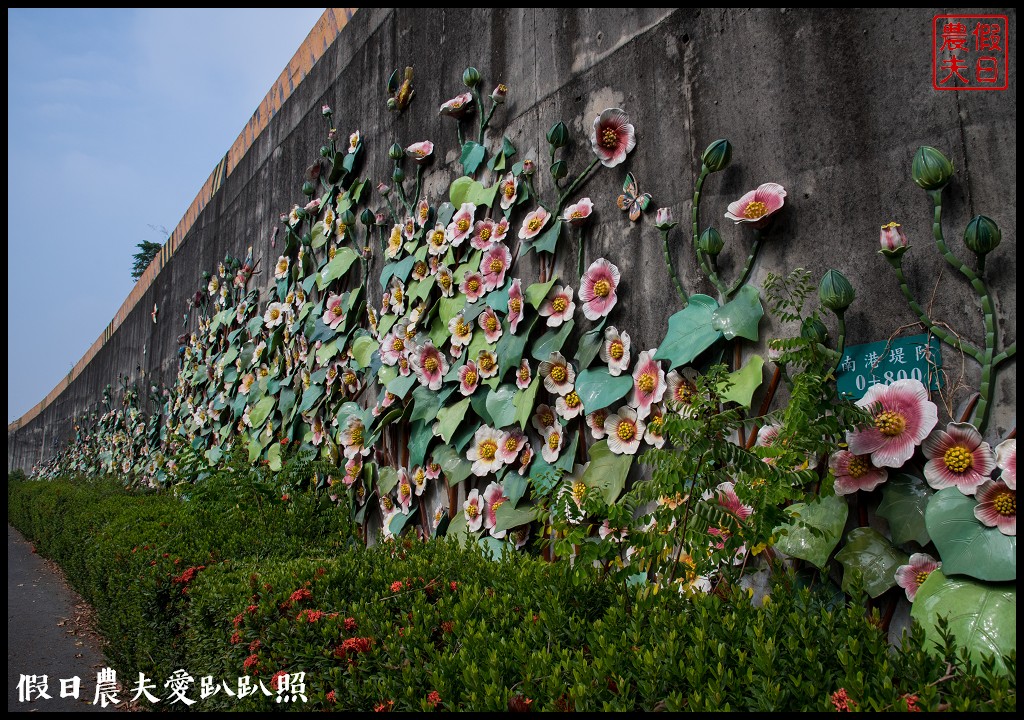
{"x": 285, "y": 587}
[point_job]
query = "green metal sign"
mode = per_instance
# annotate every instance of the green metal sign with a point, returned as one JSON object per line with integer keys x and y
{"x": 915, "y": 356}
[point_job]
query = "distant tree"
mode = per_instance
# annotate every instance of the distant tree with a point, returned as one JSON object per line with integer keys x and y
{"x": 147, "y": 251}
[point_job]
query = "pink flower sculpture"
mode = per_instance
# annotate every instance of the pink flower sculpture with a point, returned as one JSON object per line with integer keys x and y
{"x": 957, "y": 457}
{"x": 757, "y": 205}
{"x": 613, "y": 137}
{"x": 903, "y": 418}
{"x": 597, "y": 289}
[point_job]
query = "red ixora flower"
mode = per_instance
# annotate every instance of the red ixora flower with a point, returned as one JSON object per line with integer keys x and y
{"x": 613, "y": 137}
{"x": 251, "y": 662}
{"x": 331, "y": 697}
{"x": 300, "y": 595}
{"x": 434, "y": 698}
{"x": 841, "y": 701}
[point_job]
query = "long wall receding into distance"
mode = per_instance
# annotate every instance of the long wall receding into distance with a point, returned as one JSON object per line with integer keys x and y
{"x": 831, "y": 104}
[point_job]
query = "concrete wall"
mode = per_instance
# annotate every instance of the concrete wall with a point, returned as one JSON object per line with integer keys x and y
{"x": 832, "y": 105}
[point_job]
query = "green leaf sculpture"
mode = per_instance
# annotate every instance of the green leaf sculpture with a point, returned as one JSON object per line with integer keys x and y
{"x": 965, "y": 545}
{"x": 869, "y": 554}
{"x": 816, "y": 529}
{"x": 982, "y": 616}
{"x": 904, "y": 500}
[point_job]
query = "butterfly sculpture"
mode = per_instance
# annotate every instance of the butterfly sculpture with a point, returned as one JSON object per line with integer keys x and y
{"x": 631, "y": 200}
{"x": 400, "y": 91}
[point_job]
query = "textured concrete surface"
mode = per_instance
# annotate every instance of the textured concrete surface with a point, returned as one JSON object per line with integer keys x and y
{"x": 831, "y": 104}
{"x": 43, "y": 636}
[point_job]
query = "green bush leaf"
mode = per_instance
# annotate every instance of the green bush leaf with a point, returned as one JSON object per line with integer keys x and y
{"x": 740, "y": 316}
{"x": 871, "y": 555}
{"x": 689, "y": 332}
{"x": 598, "y": 389}
{"x": 965, "y": 545}
{"x": 816, "y": 529}
{"x": 982, "y": 617}
{"x": 607, "y": 471}
{"x": 904, "y": 500}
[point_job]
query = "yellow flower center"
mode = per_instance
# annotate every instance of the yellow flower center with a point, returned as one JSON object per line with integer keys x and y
{"x": 462, "y": 224}
{"x": 473, "y": 285}
{"x": 655, "y": 425}
{"x": 547, "y": 418}
{"x": 397, "y": 295}
{"x": 486, "y": 362}
{"x": 535, "y": 224}
{"x": 491, "y": 323}
{"x": 497, "y": 504}
{"x": 470, "y": 378}
{"x": 524, "y": 373}
{"x": 404, "y": 489}
{"x": 1005, "y": 503}
{"x": 336, "y": 311}
{"x": 626, "y": 430}
{"x": 559, "y": 304}
{"x": 485, "y": 235}
{"x": 410, "y": 332}
{"x": 420, "y": 269}
{"x": 558, "y": 373}
{"x": 554, "y": 440}
{"x": 958, "y": 459}
{"x": 755, "y": 210}
{"x": 398, "y": 345}
{"x": 572, "y": 400}
{"x": 403, "y": 363}
{"x": 488, "y": 449}
{"x": 609, "y": 138}
{"x": 435, "y": 468}
{"x": 445, "y": 279}
{"x": 437, "y": 238}
{"x": 471, "y": 512}
{"x": 264, "y": 372}
{"x": 282, "y": 266}
{"x": 646, "y": 383}
{"x": 386, "y": 503}
{"x": 357, "y": 435}
{"x": 617, "y": 350}
{"x": 579, "y": 491}
{"x": 496, "y": 265}
{"x": 349, "y": 378}
{"x": 515, "y": 305}
{"x": 857, "y": 467}
{"x": 509, "y": 190}
{"x": 462, "y": 329}
{"x": 510, "y": 445}
{"x": 576, "y": 215}
{"x": 331, "y": 252}
{"x": 275, "y": 313}
{"x": 602, "y": 288}
{"x": 430, "y": 364}
{"x": 598, "y": 418}
{"x": 424, "y": 211}
{"x": 420, "y": 477}
{"x": 890, "y": 423}
{"x": 684, "y": 393}
{"x": 921, "y": 576}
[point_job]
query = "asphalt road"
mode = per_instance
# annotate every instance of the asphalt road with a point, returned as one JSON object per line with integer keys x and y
{"x": 44, "y": 635}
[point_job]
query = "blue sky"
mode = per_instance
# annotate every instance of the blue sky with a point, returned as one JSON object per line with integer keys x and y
{"x": 115, "y": 119}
